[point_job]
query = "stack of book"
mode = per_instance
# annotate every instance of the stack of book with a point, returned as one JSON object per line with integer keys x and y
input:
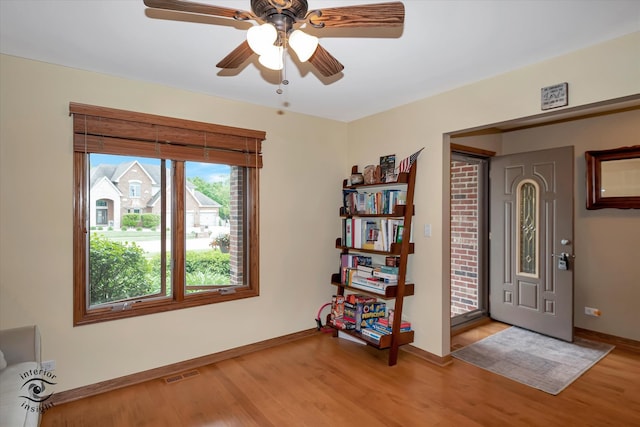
{"x": 372, "y": 333}
{"x": 356, "y": 311}
{"x": 382, "y": 327}
{"x": 388, "y": 274}
{"x": 374, "y": 278}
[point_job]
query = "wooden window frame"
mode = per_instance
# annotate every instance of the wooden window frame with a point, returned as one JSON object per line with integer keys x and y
{"x": 119, "y": 132}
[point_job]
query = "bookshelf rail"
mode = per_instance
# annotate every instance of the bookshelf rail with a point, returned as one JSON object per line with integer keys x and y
{"x": 396, "y": 249}
{"x": 386, "y": 341}
{"x": 398, "y": 212}
{"x": 389, "y": 293}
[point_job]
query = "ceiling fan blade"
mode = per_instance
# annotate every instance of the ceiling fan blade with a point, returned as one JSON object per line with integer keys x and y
{"x": 201, "y": 8}
{"x": 325, "y": 62}
{"x": 369, "y": 15}
{"x": 236, "y": 57}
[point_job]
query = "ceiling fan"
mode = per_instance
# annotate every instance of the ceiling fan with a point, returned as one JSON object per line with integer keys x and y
{"x": 279, "y": 23}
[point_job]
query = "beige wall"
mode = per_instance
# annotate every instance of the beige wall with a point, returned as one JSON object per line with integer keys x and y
{"x": 297, "y": 231}
{"x": 606, "y": 71}
{"x": 299, "y": 198}
{"x": 607, "y": 265}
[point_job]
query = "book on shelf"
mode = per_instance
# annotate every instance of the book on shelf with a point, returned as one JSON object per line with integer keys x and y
{"x": 345, "y": 275}
{"x": 347, "y": 232}
{"x": 366, "y": 283}
{"x": 366, "y": 287}
{"x": 357, "y": 232}
{"x": 337, "y": 306}
{"x": 387, "y": 167}
{"x": 362, "y": 274}
{"x": 359, "y": 298}
{"x": 349, "y": 314}
{"x": 400, "y": 234}
{"x": 353, "y": 260}
{"x": 402, "y": 198}
{"x": 387, "y": 329}
{"x": 390, "y": 270}
{"x": 368, "y": 313}
{"x": 361, "y": 202}
{"x": 364, "y": 260}
{"x": 349, "y": 203}
{"x": 388, "y": 277}
{"x": 365, "y": 270}
{"x": 371, "y": 333}
{"x": 388, "y": 321}
{"x": 381, "y": 282}
{"x": 343, "y": 324}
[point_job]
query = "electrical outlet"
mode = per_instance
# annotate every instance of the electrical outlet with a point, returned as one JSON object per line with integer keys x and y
{"x": 592, "y": 312}
{"x": 49, "y": 365}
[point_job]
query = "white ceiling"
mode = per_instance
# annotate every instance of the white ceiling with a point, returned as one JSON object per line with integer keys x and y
{"x": 443, "y": 45}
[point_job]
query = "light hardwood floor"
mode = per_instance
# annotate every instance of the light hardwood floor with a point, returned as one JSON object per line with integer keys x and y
{"x": 326, "y": 381}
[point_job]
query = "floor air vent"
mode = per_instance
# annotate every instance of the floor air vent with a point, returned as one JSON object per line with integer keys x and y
{"x": 182, "y": 376}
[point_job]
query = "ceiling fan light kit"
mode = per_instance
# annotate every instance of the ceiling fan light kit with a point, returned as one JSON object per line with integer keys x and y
{"x": 260, "y": 37}
{"x": 303, "y": 44}
{"x": 272, "y": 58}
{"x": 265, "y": 41}
{"x": 279, "y": 23}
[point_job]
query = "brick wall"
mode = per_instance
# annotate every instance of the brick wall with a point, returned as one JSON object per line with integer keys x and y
{"x": 464, "y": 237}
{"x": 236, "y": 213}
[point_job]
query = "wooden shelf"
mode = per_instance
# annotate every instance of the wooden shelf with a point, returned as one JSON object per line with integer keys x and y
{"x": 398, "y": 211}
{"x": 400, "y": 250}
{"x": 396, "y": 249}
{"x": 385, "y": 340}
{"x": 389, "y": 293}
{"x": 403, "y": 178}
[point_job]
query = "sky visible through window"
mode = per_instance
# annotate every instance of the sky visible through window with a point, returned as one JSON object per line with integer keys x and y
{"x": 210, "y": 172}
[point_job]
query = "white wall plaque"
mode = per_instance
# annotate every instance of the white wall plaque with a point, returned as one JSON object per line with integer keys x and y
{"x": 555, "y": 96}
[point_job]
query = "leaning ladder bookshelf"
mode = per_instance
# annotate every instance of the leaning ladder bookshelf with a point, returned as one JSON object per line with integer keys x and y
{"x": 398, "y": 292}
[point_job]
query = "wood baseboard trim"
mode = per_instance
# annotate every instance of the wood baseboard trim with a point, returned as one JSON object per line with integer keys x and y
{"x": 164, "y": 371}
{"x": 619, "y": 342}
{"x": 429, "y": 357}
{"x": 457, "y": 330}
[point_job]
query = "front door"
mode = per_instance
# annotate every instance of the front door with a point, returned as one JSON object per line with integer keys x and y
{"x": 531, "y": 241}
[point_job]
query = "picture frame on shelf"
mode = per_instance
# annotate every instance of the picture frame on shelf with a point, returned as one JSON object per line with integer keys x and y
{"x": 370, "y": 174}
{"x": 387, "y": 168}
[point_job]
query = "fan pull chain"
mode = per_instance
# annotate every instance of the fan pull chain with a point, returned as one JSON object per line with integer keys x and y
{"x": 283, "y": 72}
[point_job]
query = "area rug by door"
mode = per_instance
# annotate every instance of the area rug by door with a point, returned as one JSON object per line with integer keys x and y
{"x": 533, "y": 359}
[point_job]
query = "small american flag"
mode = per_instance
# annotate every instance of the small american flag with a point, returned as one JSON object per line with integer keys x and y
{"x": 405, "y": 164}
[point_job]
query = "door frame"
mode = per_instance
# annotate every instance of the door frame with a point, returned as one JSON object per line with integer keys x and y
{"x": 611, "y": 106}
{"x": 483, "y": 157}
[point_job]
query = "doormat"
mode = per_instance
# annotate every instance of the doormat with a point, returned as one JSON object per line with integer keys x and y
{"x": 536, "y": 360}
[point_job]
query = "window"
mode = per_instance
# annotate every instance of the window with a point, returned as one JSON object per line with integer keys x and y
{"x": 527, "y": 233}
{"x": 134, "y": 189}
{"x": 181, "y": 200}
